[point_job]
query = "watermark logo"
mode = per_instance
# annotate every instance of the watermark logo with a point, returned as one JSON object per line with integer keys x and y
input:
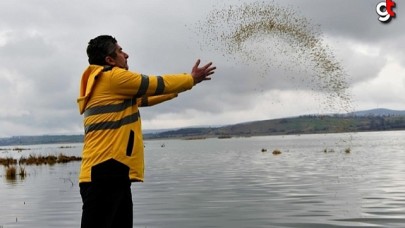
{"x": 385, "y": 10}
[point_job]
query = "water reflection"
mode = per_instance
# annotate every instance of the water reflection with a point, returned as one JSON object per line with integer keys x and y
{"x": 15, "y": 180}
{"x": 232, "y": 183}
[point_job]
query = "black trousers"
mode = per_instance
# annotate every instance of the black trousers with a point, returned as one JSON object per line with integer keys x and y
{"x": 106, "y": 205}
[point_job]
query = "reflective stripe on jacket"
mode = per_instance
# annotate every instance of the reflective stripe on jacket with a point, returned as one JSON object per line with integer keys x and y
{"x": 109, "y": 99}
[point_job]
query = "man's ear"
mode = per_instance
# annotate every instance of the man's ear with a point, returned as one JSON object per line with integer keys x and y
{"x": 109, "y": 60}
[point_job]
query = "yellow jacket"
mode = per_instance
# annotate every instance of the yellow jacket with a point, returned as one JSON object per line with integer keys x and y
{"x": 109, "y": 99}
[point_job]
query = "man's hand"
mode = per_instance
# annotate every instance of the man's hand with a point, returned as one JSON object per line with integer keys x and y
{"x": 202, "y": 73}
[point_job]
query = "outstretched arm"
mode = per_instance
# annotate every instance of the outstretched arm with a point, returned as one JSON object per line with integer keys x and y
{"x": 131, "y": 84}
{"x": 153, "y": 100}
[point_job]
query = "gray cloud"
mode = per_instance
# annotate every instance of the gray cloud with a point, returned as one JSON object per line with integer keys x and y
{"x": 42, "y": 56}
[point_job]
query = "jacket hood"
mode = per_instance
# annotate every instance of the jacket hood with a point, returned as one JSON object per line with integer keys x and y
{"x": 87, "y": 84}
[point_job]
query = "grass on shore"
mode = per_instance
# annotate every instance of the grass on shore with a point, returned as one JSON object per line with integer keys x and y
{"x": 50, "y": 159}
{"x": 18, "y": 149}
{"x": 39, "y": 160}
{"x": 12, "y": 172}
{"x": 8, "y": 161}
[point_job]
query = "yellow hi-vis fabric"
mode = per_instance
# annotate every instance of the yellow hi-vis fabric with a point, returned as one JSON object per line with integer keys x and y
{"x": 109, "y": 99}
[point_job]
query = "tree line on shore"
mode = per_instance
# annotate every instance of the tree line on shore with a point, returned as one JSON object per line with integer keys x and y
{"x": 306, "y": 124}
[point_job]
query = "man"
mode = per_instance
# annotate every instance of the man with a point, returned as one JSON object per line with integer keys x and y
{"x": 113, "y": 148}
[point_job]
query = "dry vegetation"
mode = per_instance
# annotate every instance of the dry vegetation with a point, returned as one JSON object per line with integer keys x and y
{"x": 39, "y": 160}
{"x": 12, "y": 172}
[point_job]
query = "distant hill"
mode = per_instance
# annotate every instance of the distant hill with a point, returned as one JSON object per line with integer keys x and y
{"x": 41, "y": 139}
{"x": 368, "y": 120}
{"x": 379, "y": 112}
{"x": 308, "y": 124}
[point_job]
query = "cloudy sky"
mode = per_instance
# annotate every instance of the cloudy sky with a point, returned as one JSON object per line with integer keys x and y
{"x": 42, "y": 57}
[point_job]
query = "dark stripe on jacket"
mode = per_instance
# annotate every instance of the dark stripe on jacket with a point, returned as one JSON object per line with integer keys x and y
{"x": 143, "y": 87}
{"x": 160, "y": 88}
{"x": 108, "y": 108}
{"x": 112, "y": 124}
{"x": 144, "y": 101}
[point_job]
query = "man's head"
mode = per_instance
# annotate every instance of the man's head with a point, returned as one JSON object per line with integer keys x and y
{"x": 104, "y": 50}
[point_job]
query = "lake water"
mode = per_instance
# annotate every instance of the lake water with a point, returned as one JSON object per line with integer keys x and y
{"x": 232, "y": 183}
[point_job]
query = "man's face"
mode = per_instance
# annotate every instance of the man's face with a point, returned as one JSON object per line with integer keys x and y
{"x": 121, "y": 59}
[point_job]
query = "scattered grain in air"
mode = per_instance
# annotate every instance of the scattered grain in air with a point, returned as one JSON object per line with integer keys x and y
{"x": 265, "y": 35}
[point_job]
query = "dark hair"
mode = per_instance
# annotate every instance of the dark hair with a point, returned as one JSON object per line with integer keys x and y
{"x": 101, "y": 47}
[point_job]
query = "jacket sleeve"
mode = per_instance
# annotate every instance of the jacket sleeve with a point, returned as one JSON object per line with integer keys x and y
{"x": 137, "y": 85}
{"x": 153, "y": 100}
